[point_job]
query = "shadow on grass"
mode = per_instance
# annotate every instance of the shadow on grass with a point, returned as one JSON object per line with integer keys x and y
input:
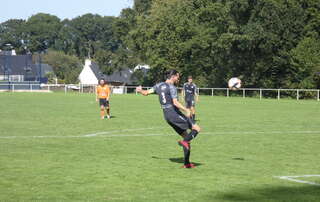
{"x": 111, "y": 117}
{"x": 238, "y": 158}
{"x": 279, "y": 193}
{"x": 177, "y": 160}
{"x": 181, "y": 160}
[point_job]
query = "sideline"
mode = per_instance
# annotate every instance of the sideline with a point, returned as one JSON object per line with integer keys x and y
{"x": 294, "y": 179}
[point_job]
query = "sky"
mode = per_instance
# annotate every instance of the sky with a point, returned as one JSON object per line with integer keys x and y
{"x": 23, "y": 9}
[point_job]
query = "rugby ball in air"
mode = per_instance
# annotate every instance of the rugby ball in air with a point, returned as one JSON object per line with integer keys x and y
{"x": 234, "y": 83}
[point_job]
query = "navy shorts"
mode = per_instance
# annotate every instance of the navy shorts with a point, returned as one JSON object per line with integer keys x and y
{"x": 104, "y": 102}
{"x": 177, "y": 120}
{"x": 189, "y": 103}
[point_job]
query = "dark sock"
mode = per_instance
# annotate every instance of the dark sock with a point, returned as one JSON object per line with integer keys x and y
{"x": 186, "y": 153}
{"x": 194, "y": 117}
{"x": 191, "y": 135}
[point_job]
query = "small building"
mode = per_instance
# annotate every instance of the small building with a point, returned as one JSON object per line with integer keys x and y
{"x": 20, "y": 68}
{"x": 15, "y": 68}
{"x": 20, "y": 71}
{"x": 11, "y": 52}
{"x": 123, "y": 77}
{"x": 91, "y": 74}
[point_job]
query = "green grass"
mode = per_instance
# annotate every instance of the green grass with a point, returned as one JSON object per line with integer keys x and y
{"x": 243, "y": 146}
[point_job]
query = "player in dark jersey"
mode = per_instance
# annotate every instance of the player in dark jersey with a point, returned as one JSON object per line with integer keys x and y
{"x": 168, "y": 98}
{"x": 189, "y": 93}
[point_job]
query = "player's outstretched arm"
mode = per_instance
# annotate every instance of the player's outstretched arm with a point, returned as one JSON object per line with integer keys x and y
{"x": 181, "y": 107}
{"x": 144, "y": 92}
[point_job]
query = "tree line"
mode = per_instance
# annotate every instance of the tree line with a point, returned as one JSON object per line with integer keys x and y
{"x": 266, "y": 43}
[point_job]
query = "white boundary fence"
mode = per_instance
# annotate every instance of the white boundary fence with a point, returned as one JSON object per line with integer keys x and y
{"x": 243, "y": 92}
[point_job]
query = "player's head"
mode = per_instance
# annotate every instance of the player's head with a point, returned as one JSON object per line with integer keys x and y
{"x": 173, "y": 75}
{"x": 190, "y": 79}
{"x": 102, "y": 81}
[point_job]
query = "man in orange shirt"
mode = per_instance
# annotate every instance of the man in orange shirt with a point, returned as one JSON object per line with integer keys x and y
{"x": 103, "y": 95}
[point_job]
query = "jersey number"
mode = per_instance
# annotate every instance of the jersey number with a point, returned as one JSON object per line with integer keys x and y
{"x": 163, "y": 98}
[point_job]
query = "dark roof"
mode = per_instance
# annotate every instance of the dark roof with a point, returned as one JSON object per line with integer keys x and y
{"x": 15, "y": 64}
{"x": 22, "y": 65}
{"x": 45, "y": 69}
{"x": 123, "y": 76}
{"x": 96, "y": 70}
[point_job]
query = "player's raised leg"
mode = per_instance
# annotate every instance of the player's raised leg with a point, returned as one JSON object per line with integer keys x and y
{"x": 186, "y": 145}
{"x": 181, "y": 124}
{"x": 195, "y": 129}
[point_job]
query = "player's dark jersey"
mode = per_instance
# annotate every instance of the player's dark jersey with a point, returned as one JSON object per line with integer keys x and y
{"x": 190, "y": 90}
{"x": 167, "y": 92}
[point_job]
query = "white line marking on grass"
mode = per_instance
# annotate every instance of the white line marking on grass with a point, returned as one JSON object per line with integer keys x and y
{"x": 293, "y": 179}
{"x": 81, "y": 136}
{"x": 136, "y": 135}
{"x": 29, "y": 137}
{"x": 117, "y": 133}
{"x": 112, "y": 133}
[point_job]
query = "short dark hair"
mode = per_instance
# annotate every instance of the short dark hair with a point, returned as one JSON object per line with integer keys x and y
{"x": 189, "y": 77}
{"x": 171, "y": 73}
{"x": 102, "y": 79}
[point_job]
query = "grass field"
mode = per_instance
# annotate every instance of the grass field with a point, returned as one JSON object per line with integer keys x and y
{"x": 54, "y": 147}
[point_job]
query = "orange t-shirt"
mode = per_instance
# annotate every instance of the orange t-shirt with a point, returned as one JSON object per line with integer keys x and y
{"x": 103, "y": 91}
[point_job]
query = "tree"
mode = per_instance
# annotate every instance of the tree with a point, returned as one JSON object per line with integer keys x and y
{"x": 160, "y": 39}
{"x": 104, "y": 59}
{"x": 86, "y": 34}
{"x": 267, "y": 43}
{"x": 11, "y": 32}
{"x": 142, "y": 7}
{"x": 41, "y": 31}
{"x": 306, "y": 61}
{"x": 66, "y": 68}
{"x": 216, "y": 40}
